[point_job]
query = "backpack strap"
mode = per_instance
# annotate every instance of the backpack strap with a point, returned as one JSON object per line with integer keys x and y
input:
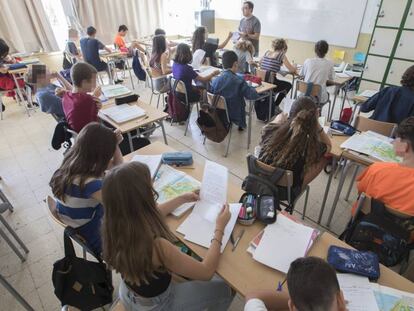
{"x": 216, "y": 99}
{"x": 254, "y": 169}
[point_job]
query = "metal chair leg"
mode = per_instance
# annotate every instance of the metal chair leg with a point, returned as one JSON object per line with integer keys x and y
{"x": 84, "y": 253}
{"x": 306, "y": 201}
{"x": 151, "y": 98}
{"x": 158, "y": 100}
{"x": 15, "y": 294}
{"x": 228, "y": 143}
{"x": 15, "y": 236}
{"x": 6, "y": 200}
{"x": 354, "y": 175}
{"x": 188, "y": 120}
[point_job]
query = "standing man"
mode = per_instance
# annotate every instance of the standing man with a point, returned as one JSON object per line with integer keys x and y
{"x": 249, "y": 27}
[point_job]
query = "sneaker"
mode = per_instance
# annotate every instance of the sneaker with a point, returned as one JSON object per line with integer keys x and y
{"x": 241, "y": 129}
{"x": 119, "y": 81}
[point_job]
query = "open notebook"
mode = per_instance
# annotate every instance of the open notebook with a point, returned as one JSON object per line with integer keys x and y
{"x": 117, "y": 90}
{"x": 152, "y": 161}
{"x": 124, "y": 113}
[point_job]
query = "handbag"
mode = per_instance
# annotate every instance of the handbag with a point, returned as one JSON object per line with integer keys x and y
{"x": 80, "y": 283}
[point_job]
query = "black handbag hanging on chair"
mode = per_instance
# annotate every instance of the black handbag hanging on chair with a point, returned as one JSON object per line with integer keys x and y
{"x": 80, "y": 283}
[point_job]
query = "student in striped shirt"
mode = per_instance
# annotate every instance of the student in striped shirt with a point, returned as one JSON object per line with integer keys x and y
{"x": 77, "y": 183}
{"x": 272, "y": 61}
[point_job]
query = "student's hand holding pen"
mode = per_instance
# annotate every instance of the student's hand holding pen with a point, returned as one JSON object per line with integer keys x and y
{"x": 191, "y": 196}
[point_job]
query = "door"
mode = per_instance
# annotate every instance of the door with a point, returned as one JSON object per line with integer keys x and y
{"x": 397, "y": 69}
{"x": 405, "y": 47}
{"x": 391, "y": 13}
{"x": 382, "y": 41}
{"x": 375, "y": 68}
{"x": 409, "y": 23}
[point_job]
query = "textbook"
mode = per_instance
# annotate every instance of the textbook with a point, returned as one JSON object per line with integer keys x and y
{"x": 117, "y": 90}
{"x": 124, "y": 113}
{"x": 389, "y": 299}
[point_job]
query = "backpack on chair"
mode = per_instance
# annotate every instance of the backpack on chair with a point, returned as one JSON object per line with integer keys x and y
{"x": 213, "y": 121}
{"x": 177, "y": 110}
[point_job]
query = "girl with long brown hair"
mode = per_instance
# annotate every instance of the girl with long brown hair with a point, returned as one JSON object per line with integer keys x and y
{"x": 298, "y": 143}
{"x": 77, "y": 184}
{"x": 160, "y": 63}
{"x": 138, "y": 244}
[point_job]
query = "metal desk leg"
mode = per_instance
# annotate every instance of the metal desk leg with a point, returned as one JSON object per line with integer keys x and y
{"x": 330, "y": 113}
{"x": 343, "y": 99}
{"x": 15, "y": 294}
{"x": 131, "y": 145}
{"x": 328, "y": 187}
{"x": 130, "y": 73}
{"x": 161, "y": 123}
{"x": 20, "y": 95}
{"x": 270, "y": 105}
{"x": 249, "y": 125}
{"x": 338, "y": 192}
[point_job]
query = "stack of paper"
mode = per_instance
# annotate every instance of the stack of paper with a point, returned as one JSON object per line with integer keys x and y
{"x": 368, "y": 93}
{"x": 200, "y": 224}
{"x": 152, "y": 161}
{"x": 372, "y": 144}
{"x": 357, "y": 292}
{"x": 116, "y": 90}
{"x": 124, "y": 113}
{"x": 389, "y": 299}
{"x": 283, "y": 242}
{"x": 171, "y": 183}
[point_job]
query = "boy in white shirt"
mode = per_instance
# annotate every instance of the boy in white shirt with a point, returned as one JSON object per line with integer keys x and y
{"x": 319, "y": 70}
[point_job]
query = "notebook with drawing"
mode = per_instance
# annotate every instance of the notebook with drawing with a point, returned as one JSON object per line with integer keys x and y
{"x": 124, "y": 113}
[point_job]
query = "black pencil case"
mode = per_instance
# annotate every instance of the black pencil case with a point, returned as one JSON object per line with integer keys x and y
{"x": 126, "y": 99}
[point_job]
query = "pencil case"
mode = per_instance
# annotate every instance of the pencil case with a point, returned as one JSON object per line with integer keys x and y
{"x": 344, "y": 128}
{"x": 182, "y": 158}
{"x": 16, "y": 66}
{"x": 126, "y": 99}
{"x": 257, "y": 207}
{"x": 247, "y": 214}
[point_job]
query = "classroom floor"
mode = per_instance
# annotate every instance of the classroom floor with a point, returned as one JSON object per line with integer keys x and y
{"x": 27, "y": 162}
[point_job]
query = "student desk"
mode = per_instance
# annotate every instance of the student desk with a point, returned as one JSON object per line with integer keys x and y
{"x": 338, "y": 82}
{"x": 238, "y": 268}
{"x": 153, "y": 115}
{"x": 111, "y": 57}
{"x": 358, "y": 100}
{"x": 261, "y": 89}
{"x": 19, "y": 74}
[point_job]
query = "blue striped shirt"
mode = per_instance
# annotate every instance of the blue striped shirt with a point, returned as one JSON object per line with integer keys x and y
{"x": 79, "y": 207}
{"x": 272, "y": 63}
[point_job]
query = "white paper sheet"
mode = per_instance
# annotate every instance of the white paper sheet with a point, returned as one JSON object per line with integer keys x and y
{"x": 198, "y": 57}
{"x": 182, "y": 209}
{"x": 116, "y": 90}
{"x": 368, "y": 93}
{"x": 204, "y": 71}
{"x": 124, "y": 113}
{"x": 357, "y": 292}
{"x": 283, "y": 242}
{"x": 152, "y": 161}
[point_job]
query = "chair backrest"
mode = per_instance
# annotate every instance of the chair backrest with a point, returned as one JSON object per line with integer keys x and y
{"x": 384, "y": 128}
{"x": 285, "y": 181}
{"x": 365, "y": 202}
{"x": 149, "y": 78}
{"x": 51, "y": 203}
{"x": 302, "y": 87}
{"x": 179, "y": 88}
{"x": 261, "y": 73}
{"x": 221, "y": 103}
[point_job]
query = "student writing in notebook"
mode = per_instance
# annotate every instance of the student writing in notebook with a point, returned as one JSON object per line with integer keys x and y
{"x": 312, "y": 285}
{"x": 272, "y": 61}
{"x": 297, "y": 143}
{"x": 183, "y": 71}
{"x": 234, "y": 89}
{"x": 77, "y": 183}
{"x": 199, "y": 40}
{"x": 319, "y": 70}
{"x": 138, "y": 244}
{"x": 395, "y": 103}
{"x": 393, "y": 183}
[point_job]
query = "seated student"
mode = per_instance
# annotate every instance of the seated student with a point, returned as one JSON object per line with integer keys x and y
{"x": 77, "y": 184}
{"x": 183, "y": 71}
{"x": 199, "y": 40}
{"x": 319, "y": 70}
{"x": 161, "y": 32}
{"x": 146, "y": 256}
{"x": 72, "y": 53}
{"x": 160, "y": 63}
{"x": 90, "y": 47}
{"x": 48, "y": 95}
{"x": 272, "y": 61}
{"x": 297, "y": 144}
{"x": 393, "y": 183}
{"x": 312, "y": 285}
{"x": 119, "y": 41}
{"x": 6, "y": 79}
{"x": 81, "y": 108}
{"x": 234, "y": 89}
{"x": 245, "y": 51}
{"x": 395, "y": 103}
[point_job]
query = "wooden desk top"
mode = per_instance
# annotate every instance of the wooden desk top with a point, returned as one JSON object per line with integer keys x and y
{"x": 338, "y": 81}
{"x": 18, "y": 71}
{"x": 152, "y": 115}
{"x": 265, "y": 87}
{"x": 114, "y": 54}
{"x": 238, "y": 268}
{"x": 357, "y": 99}
{"x": 337, "y": 141}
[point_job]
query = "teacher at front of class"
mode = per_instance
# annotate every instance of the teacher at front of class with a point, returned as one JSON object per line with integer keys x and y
{"x": 249, "y": 27}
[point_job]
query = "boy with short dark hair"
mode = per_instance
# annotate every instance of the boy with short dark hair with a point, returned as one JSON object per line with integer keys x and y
{"x": 234, "y": 89}
{"x": 319, "y": 70}
{"x": 312, "y": 286}
{"x": 119, "y": 41}
{"x": 79, "y": 107}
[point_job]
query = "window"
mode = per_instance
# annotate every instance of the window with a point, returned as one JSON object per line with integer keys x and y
{"x": 57, "y": 20}
{"x": 179, "y": 16}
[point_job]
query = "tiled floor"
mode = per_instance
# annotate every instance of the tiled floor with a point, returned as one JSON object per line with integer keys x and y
{"x": 27, "y": 162}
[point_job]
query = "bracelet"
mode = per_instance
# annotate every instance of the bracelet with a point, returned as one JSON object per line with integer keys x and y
{"x": 214, "y": 239}
{"x": 221, "y": 231}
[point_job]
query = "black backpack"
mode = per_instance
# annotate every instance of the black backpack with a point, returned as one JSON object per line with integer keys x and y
{"x": 80, "y": 283}
{"x": 213, "y": 121}
{"x": 383, "y": 233}
{"x": 137, "y": 67}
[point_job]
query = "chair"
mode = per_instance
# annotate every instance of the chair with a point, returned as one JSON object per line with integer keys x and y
{"x": 364, "y": 124}
{"x": 151, "y": 81}
{"x": 178, "y": 86}
{"x": 221, "y": 104}
{"x": 286, "y": 182}
{"x": 312, "y": 90}
{"x": 55, "y": 216}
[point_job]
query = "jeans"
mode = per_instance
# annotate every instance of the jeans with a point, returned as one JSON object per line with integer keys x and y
{"x": 187, "y": 296}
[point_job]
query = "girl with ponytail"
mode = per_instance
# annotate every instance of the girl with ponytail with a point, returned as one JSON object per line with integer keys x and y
{"x": 297, "y": 143}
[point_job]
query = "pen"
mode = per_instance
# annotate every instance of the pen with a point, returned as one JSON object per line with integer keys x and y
{"x": 280, "y": 285}
{"x": 237, "y": 240}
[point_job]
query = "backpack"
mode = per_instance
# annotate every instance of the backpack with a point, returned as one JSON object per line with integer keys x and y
{"x": 213, "y": 121}
{"x": 177, "y": 110}
{"x": 383, "y": 233}
{"x": 137, "y": 67}
{"x": 66, "y": 63}
{"x": 261, "y": 107}
{"x": 78, "y": 282}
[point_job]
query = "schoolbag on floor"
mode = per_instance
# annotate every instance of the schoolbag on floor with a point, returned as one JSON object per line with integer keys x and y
{"x": 177, "y": 109}
{"x": 383, "y": 233}
{"x": 261, "y": 107}
{"x": 213, "y": 121}
{"x": 80, "y": 283}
